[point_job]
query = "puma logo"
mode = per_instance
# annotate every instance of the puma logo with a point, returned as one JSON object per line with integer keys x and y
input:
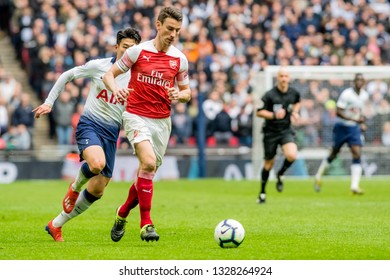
{"x": 148, "y": 191}
{"x": 146, "y": 57}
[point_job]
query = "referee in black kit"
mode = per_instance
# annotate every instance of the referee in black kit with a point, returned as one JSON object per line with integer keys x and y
{"x": 280, "y": 106}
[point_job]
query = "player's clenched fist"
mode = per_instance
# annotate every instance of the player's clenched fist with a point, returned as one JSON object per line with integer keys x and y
{"x": 173, "y": 93}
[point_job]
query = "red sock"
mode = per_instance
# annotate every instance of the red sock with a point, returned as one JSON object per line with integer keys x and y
{"x": 131, "y": 202}
{"x": 145, "y": 194}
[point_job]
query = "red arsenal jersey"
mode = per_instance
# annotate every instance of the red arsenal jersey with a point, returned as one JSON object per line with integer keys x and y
{"x": 152, "y": 72}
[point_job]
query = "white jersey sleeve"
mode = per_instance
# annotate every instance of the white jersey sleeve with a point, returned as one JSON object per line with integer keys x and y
{"x": 101, "y": 106}
{"x": 83, "y": 71}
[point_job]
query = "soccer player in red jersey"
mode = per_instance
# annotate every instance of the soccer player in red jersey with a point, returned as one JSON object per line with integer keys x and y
{"x": 159, "y": 76}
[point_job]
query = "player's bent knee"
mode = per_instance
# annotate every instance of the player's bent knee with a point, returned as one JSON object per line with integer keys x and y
{"x": 97, "y": 166}
{"x": 291, "y": 157}
{"x": 148, "y": 165}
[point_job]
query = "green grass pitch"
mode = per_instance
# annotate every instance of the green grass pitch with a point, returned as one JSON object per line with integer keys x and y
{"x": 297, "y": 224}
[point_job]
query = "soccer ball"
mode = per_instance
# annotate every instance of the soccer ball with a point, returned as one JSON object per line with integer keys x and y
{"x": 229, "y": 233}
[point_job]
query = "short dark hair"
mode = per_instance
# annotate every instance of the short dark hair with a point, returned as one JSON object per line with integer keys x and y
{"x": 130, "y": 33}
{"x": 170, "y": 12}
{"x": 359, "y": 76}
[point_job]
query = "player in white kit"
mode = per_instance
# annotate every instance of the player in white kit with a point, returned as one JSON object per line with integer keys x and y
{"x": 157, "y": 68}
{"x": 348, "y": 129}
{"x": 96, "y": 133}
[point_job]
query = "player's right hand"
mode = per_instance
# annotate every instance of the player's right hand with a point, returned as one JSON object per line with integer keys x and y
{"x": 361, "y": 120}
{"x": 280, "y": 114}
{"x": 121, "y": 94}
{"x": 41, "y": 110}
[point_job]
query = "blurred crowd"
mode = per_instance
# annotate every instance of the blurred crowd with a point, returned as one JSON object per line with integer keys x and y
{"x": 227, "y": 42}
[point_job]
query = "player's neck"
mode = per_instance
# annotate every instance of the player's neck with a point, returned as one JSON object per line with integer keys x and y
{"x": 283, "y": 89}
{"x": 159, "y": 46}
{"x": 357, "y": 90}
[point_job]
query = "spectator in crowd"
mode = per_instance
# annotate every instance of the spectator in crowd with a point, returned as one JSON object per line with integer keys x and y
{"x": 310, "y": 18}
{"x": 383, "y": 110}
{"x": 222, "y": 125}
{"x": 377, "y": 85}
{"x": 8, "y": 85}
{"x": 328, "y": 120}
{"x": 244, "y": 125}
{"x": 17, "y": 138}
{"x": 309, "y": 122}
{"x": 373, "y": 124}
{"x": 3, "y": 116}
{"x": 23, "y": 113}
{"x": 385, "y": 138}
{"x": 6, "y": 8}
{"x": 63, "y": 111}
{"x": 211, "y": 107}
{"x": 181, "y": 124}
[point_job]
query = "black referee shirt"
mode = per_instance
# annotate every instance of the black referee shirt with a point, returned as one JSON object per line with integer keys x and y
{"x": 273, "y": 100}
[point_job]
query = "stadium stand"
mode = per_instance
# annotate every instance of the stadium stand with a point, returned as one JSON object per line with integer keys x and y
{"x": 13, "y": 85}
{"x": 227, "y": 43}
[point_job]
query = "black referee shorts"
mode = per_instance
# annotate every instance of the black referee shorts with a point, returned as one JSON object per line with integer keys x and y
{"x": 271, "y": 140}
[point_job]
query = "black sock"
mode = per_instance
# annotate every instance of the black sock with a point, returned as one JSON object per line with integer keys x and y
{"x": 264, "y": 179}
{"x": 286, "y": 164}
{"x": 89, "y": 197}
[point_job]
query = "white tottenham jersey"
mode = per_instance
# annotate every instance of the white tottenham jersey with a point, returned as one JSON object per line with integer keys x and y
{"x": 101, "y": 105}
{"x": 353, "y": 104}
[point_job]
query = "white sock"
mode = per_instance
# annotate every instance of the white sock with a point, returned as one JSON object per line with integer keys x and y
{"x": 321, "y": 170}
{"x": 79, "y": 182}
{"x": 61, "y": 219}
{"x": 81, "y": 205}
{"x": 356, "y": 174}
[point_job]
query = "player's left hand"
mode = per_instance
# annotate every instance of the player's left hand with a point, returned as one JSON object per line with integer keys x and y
{"x": 294, "y": 117}
{"x": 173, "y": 93}
{"x": 363, "y": 127}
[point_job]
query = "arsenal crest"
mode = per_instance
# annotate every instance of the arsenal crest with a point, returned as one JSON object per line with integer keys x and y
{"x": 173, "y": 64}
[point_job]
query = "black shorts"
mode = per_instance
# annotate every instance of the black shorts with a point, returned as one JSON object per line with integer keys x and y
{"x": 271, "y": 140}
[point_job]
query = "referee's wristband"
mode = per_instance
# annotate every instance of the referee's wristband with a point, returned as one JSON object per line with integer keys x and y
{"x": 273, "y": 116}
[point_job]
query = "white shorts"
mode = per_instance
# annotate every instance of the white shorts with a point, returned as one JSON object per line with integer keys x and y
{"x": 156, "y": 131}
